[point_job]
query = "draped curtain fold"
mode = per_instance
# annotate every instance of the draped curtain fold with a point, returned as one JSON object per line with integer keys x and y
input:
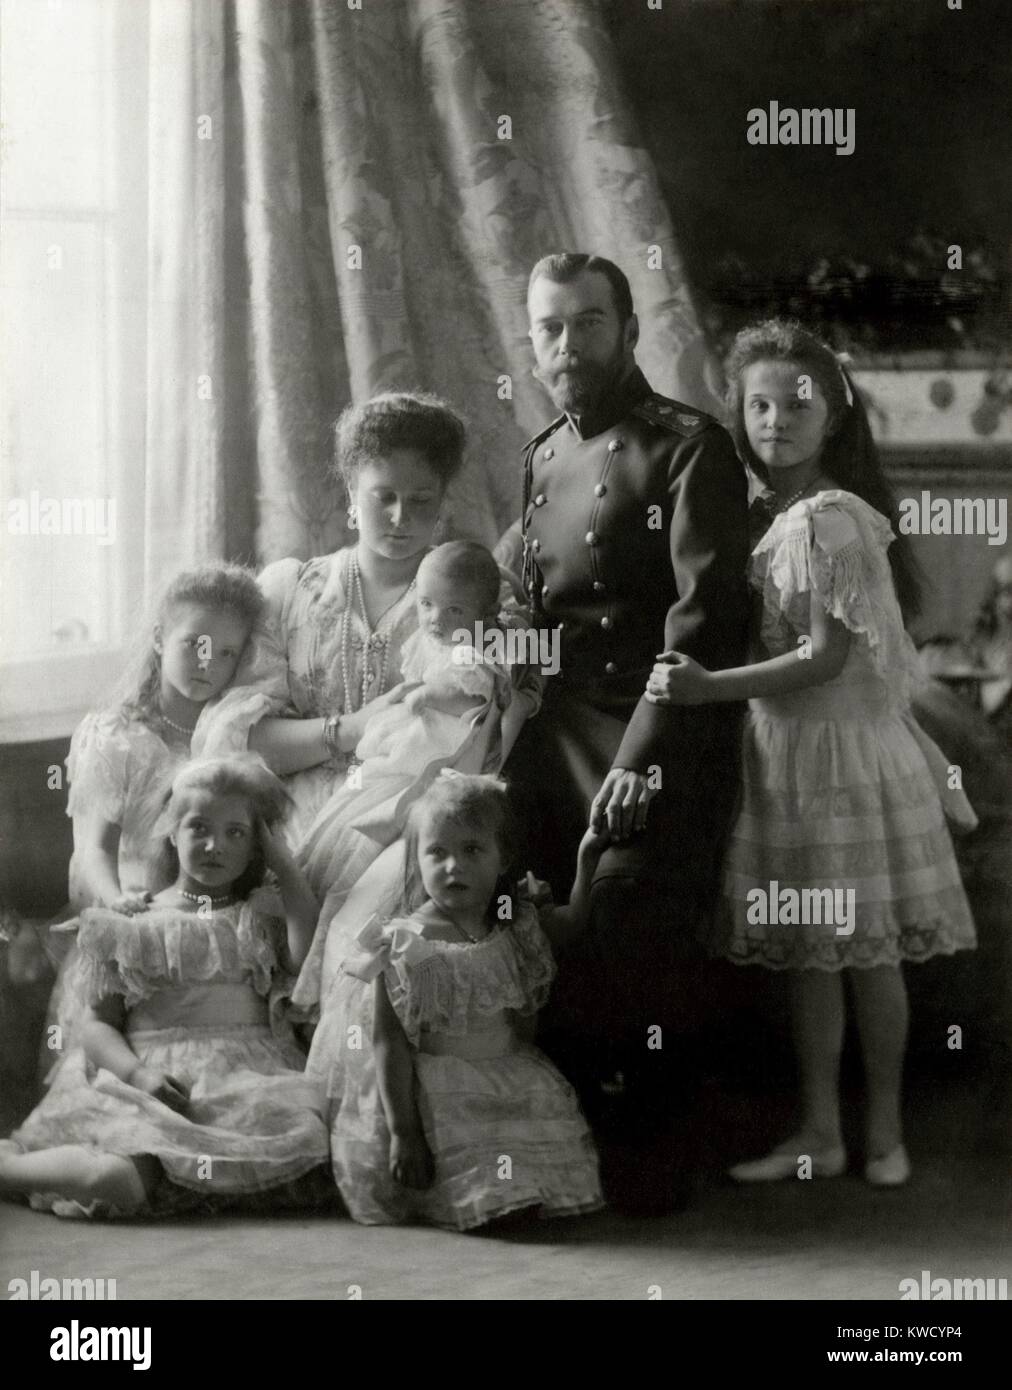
{"x": 375, "y": 187}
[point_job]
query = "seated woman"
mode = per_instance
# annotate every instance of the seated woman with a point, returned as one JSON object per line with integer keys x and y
{"x": 438, "y": 724}
{"x": 332, "y": 642}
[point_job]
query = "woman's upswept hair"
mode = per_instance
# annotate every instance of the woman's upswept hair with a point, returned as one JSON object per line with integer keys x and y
{"x": 221, "y": 586}
{"x": 399, "y": 420}
{"x": 849, "y": 455}
{"x": 467, "y": 800}
{"x": 245, "y": 775}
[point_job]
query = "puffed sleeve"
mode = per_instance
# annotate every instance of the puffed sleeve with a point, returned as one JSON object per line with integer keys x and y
{"x": 98, "y": 767}
{"x": 535, "y": 960}
{"x": 99, "y": 971}
{"x": 380, "y": 946}
{"x": 846, "y": 573}
{"x": 708, "y": 545}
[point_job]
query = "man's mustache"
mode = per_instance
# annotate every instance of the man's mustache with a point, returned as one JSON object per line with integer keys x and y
{"x": 585, "y": 371}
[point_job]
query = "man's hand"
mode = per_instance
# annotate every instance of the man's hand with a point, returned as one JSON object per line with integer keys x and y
{"x": 621, "y": 805}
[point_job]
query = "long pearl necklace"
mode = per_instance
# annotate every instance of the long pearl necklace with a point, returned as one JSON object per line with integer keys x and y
{"x": 179, "y": 728}
{"x": 374, "y": 639}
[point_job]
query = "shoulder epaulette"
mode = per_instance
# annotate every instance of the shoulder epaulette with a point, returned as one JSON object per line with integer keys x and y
{"x": 672, "y": 415}
{"x": 549, "y": 429}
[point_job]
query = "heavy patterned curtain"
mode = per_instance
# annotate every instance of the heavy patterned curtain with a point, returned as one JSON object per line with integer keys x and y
{"x": 347, "y": 199}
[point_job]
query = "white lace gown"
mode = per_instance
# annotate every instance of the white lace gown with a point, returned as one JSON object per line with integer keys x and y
{"x": 841, "y": 788}
{"x": 200, "y": 994}
{"x": 503, "y": 1125}
{"x": 400, "y": 754}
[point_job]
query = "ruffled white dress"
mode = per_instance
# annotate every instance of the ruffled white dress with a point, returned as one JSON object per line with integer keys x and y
{"x": 841, "y": 788}
{"x": 120, "y": 769}
{"x": 503, "y": 1125}
{"x": 199, "y": 994}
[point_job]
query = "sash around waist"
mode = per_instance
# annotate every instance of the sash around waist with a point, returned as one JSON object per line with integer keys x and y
{"x": 207, "y": 1005}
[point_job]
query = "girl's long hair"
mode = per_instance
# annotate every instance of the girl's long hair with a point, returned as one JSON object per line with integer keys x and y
{"x": 849, "y": 455}
{"x": 225, "y": 587}
{"x": 244, "y": 775}
{"x": 467, "y": 800}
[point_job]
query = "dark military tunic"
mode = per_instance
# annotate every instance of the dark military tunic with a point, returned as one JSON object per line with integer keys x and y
{"x": 636, "y": 541}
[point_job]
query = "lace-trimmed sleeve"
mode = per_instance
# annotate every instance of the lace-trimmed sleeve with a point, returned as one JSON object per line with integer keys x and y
{"x": 836, "y": 546}
{"x": 98, "y": 767}
{"x": 535, "y": 960}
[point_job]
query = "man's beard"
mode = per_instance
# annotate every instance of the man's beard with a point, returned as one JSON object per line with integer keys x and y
{"x": 578, "y": 389}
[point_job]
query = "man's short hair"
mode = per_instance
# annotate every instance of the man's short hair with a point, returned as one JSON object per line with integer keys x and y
{"x": 564, "y": 266}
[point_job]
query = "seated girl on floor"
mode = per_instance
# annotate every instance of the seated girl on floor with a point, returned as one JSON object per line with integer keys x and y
{"x": 440, "y": 1110}
{"x": 451, "y": 687}
{"x": 187, "y": 1087}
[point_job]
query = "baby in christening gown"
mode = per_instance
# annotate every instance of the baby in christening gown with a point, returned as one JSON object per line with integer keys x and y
{"x": 440, "y": 723}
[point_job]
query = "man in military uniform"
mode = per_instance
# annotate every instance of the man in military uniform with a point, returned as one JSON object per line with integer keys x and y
{"x": 635, "y": 543}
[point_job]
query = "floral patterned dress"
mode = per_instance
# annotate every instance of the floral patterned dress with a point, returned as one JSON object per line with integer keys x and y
{"x": 199, "y": 992}
{"x": 293, "y": 667}
{"x": 842, "y": 790}
{"x": 503, "y": 1125}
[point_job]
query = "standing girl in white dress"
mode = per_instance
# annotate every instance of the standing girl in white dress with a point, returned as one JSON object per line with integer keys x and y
{"x": 841, "y": 789}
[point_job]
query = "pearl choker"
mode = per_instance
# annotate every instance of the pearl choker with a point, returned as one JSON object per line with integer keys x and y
{"x": 205, "y": 897}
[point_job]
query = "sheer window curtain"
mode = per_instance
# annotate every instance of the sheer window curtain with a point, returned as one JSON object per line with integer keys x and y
{"x": 72, "y": 249}
{"x": 290, "y": 206}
